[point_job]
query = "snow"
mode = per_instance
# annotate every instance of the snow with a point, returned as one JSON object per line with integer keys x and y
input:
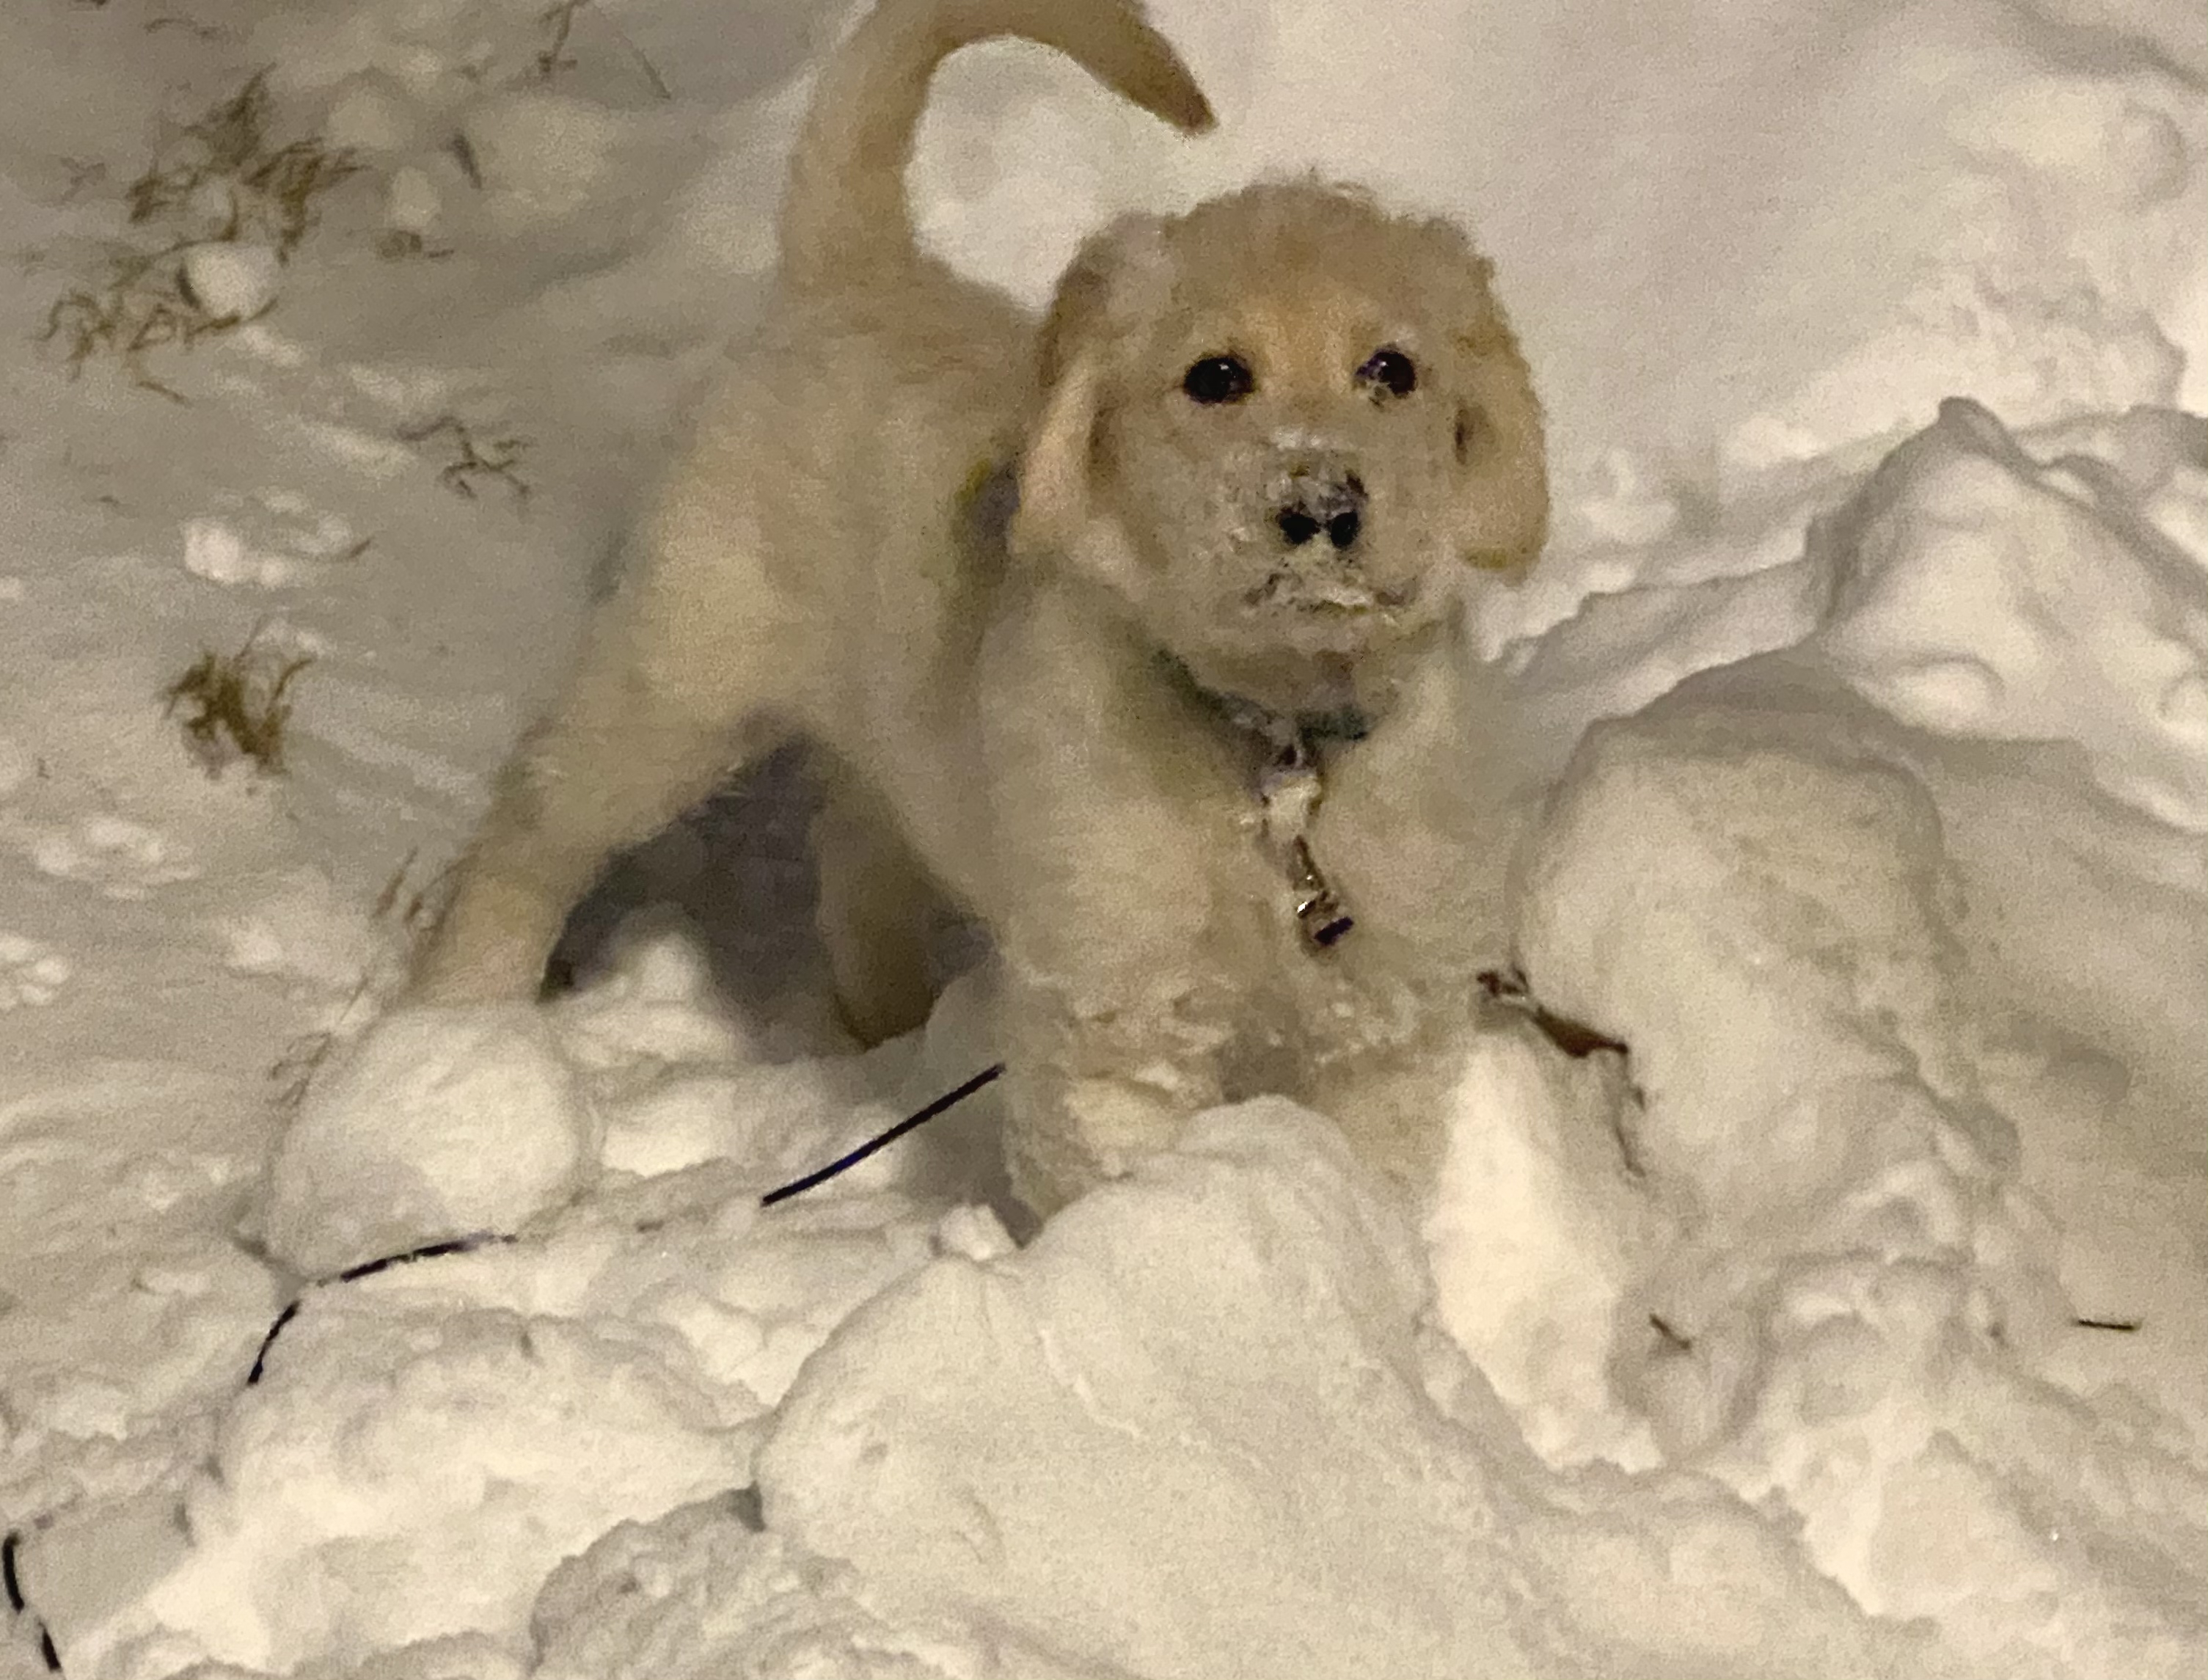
{"x": 446, "y": 1123}
{"x": 1849, "y": 1323}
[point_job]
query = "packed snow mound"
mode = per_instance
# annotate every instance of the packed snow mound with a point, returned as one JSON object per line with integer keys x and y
{"x": 1229, "y": 1354}
{"x": 423, "y": 1445}
{"x": 1857, "y": 1305}
{"x": 1212, "y": 1390}
{"x": 1983, "y": 593}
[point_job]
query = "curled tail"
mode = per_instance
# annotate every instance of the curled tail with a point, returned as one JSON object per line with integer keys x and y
{"x": 844, "y": 215}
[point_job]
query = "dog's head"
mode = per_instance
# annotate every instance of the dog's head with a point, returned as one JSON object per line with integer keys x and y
{"x": 1277, "y": 427}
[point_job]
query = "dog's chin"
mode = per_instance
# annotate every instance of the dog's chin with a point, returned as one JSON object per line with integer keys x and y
{"x": 1306, "y": 658}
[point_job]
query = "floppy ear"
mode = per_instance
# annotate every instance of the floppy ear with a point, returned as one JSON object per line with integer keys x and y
{"x": 1502, "y": 483}
{"x": 1056, "y": 491}
{"x": 1055, "y": 499}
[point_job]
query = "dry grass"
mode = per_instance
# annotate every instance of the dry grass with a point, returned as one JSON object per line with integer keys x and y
{"x": 270, "y": 190}
{"x": 139, "y": 304}
{"x": 558, "y": 22}
{"x": 235, "y": 705}
{"x": 218, "y": 179}
{"x": 474, "y": 463}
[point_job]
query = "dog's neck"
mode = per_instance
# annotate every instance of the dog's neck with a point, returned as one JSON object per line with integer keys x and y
{"x": 1289, "y": 785}
{"x": 1308, "y": 731}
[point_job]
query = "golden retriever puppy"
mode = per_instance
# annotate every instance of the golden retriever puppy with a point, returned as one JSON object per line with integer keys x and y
{"x": 1135, "y": 634}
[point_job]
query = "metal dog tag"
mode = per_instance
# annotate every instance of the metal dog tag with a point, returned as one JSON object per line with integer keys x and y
{"x": 1289, "y": 790}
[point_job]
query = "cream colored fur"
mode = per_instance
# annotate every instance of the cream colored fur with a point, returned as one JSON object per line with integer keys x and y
{"x": 1022, "y": 714}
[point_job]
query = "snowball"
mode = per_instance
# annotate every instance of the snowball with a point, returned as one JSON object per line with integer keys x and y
{"x": 441, "y": 1122}
{"x": 230, "y": 280}
{"x": 411, "y": 202}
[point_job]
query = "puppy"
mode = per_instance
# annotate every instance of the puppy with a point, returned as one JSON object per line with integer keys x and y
{"x": 1135, "y": 635}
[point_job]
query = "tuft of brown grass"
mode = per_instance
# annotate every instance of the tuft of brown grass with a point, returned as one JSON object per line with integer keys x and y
{"x": 140, "y": 303}
{"x": 218, "y": 179}
{"x": 270, "y": 190}
{"x": 474, "y": 463}
{"x": 235, "y": 705}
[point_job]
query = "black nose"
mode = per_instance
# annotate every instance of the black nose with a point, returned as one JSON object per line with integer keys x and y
{"x": 1334, "y": 506}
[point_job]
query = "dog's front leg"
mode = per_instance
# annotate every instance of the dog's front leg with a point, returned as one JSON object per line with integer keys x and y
{"x": 1102, "y": 1074}
{"x": 1128, "y": 898}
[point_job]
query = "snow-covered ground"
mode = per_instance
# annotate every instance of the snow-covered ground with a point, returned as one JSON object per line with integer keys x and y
{"x": 1852, "y": 1323}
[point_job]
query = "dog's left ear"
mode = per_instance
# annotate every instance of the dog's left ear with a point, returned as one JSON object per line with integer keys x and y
{"x": 1503, "y": 482}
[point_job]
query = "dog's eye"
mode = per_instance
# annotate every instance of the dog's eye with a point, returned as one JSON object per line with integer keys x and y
{"x": 1389, "y": 370}
{"x": 1218, "y": 378}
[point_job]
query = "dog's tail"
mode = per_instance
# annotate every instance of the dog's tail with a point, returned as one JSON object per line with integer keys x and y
{"x": 843, "y": 215}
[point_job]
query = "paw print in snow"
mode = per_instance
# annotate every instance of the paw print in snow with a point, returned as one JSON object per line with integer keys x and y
{"x": 123, "y": 859}
{"x": 31, "y": 974}
{"x": 274, "y": 539}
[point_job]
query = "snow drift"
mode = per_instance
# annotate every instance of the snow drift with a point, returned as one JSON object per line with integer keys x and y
{"x": 1846, "y": 1322}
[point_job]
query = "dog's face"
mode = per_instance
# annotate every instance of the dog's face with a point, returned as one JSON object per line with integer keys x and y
{"x": 1279, "y": 429}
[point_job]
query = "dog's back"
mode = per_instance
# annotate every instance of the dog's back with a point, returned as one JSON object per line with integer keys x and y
{"x": 881, "y": 405}
{"x": 824, "y": 524}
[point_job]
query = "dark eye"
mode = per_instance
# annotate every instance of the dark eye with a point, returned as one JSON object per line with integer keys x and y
{"x": 1389, "y": 370}
{"x": 1218, "y": 378}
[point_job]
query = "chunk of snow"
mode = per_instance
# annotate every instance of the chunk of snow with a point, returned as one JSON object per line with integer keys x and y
{"x": 438, "y": 1123}
{"x": 1981, "y": 592}
{"x": 231, "y": 279}
{"x": 214, "y": 549}
{"x": 411, "y": 202}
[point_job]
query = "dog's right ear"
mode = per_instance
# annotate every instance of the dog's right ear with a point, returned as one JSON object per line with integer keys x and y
{"x": 1056, "y": 496}
{"x": 1057, "y": 473}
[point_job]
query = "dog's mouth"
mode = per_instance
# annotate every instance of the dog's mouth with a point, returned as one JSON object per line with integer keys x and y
{"x": 1328, "y": 595}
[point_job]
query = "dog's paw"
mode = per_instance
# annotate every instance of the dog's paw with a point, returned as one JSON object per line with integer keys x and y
{"x": 1060, "y": 1146}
